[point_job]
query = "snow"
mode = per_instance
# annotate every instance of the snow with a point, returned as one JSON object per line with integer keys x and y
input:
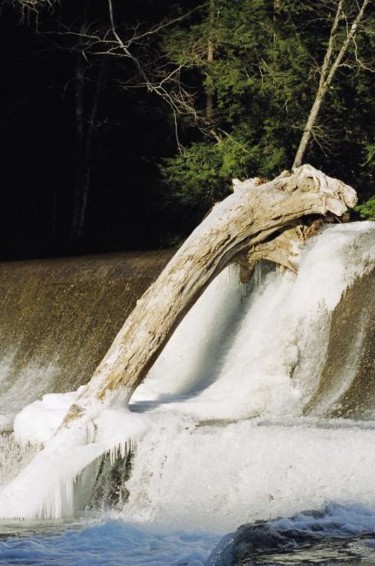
{"x": 37, "y": 422}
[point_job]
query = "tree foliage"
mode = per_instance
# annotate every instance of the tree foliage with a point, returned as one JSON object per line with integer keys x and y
{"x": 263, "y": 79}
{"x": 144, "y": 111}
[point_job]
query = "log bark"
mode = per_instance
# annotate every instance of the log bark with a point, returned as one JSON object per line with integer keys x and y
{"x": 252, "y": 216}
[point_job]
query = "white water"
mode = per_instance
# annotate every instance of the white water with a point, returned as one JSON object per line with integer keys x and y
{"x": 277, "y": 333}
{"x": 219, "y": 435}
{"x": 218, "y": 479}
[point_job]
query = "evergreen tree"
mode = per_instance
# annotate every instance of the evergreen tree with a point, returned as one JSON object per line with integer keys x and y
{"x": 261, "y": 80}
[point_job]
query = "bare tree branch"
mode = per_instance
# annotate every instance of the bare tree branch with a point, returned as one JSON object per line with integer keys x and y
{"x": 328, "y": 71}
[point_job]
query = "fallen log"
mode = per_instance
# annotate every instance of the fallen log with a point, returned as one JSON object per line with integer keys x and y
{"x": 248, "y": 222}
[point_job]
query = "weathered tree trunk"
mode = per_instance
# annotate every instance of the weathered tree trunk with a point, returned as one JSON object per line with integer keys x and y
{"x": 254, "y": 214}
{"x": 247, "y": 222}
{"x": 210, "y": 58}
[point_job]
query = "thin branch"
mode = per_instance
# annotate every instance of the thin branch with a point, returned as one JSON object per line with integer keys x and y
{"x": 345, "y": 45}
{"x": 331, "y": 43}
{"x": 328, "y": 71}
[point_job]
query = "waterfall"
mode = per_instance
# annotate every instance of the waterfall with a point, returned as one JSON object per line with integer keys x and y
{"x": 252, "y": 411}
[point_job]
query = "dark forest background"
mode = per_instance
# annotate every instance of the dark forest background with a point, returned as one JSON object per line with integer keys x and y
{"x": 123, "y": 122}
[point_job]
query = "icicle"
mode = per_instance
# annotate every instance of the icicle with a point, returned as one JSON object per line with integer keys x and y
{"x": 121, "y": 450}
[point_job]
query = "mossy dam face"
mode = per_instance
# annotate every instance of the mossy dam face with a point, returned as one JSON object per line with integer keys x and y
{"x": 58, "y": 317}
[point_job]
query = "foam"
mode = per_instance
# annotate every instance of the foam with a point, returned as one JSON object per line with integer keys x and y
{"x": 216, "y": 477}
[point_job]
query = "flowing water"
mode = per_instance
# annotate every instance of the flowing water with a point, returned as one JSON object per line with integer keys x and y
{"x": 258, "y": 414}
